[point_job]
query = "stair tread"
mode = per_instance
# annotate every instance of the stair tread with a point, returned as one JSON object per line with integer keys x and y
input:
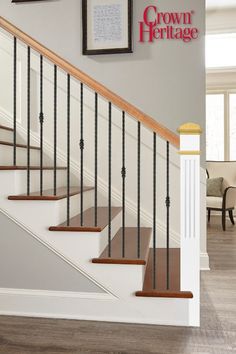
{"x": 24, "y": 146}
{"x": 88, "y": 218}
{"x": 130, "y": 248}
{"x": 61, "y": 193}
{"x": 6, "y": 168}
{"x": 161, "y": 275}
{"x": 4, "y": 127}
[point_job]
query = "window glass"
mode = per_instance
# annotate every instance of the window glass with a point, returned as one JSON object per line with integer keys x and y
{"x": 221, "y": 50}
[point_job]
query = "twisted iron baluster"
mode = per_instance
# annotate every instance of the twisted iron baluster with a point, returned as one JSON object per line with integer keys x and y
{"x": 68, "y": 150}
{"x": 123, "y": 174}
{"x": 96, "y": 163}
{"x": 55, "y": 130}
{"x": 167, "y": 215}
{"x": 154, "y": 209}
{"x": 41, "y": 120}
{"x": 139, "y": 187}
{"x": 28, "y": 120}
{"x": 14, "y": 98}
{"x": 82, "y": 154}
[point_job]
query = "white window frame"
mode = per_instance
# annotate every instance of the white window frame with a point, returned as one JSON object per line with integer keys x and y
{"x": 226, "y": 92}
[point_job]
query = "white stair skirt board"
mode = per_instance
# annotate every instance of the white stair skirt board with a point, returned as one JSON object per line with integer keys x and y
{"x": 96, "y": 307}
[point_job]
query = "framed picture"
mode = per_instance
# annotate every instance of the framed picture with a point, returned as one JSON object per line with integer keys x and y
{"x": 107, "y": 26}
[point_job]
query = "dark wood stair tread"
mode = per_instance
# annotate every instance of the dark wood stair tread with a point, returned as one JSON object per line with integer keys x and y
{"x": 3, "y": 127}
{"x": 61, "y": 193}
{"x": 88, "y": 218}
{"x": 13, "y": 168}
{"x": 19, "y": 145}
{"x": 161, "y": 275}
{"x": 131, "y": 237}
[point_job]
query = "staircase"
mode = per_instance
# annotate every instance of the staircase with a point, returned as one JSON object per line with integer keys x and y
{"x": 92, "y": 224}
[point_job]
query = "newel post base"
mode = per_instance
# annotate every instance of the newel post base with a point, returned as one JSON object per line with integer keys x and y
{"x": 190, "y": 216}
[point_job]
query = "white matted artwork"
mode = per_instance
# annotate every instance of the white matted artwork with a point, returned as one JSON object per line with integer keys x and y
{"x": 107, "y": 26}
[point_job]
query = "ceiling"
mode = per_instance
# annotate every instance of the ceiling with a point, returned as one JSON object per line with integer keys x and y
{"x": 214, "y": 4}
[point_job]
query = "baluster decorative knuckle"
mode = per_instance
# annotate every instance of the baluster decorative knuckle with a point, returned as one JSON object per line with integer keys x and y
{"x": 168, "y": 202}
{"x": 41, "y": 118}
{"x": 123, "y": 172}
{"x": 81, "y": 144}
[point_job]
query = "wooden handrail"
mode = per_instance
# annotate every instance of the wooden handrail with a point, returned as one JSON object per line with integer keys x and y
{"x": 110, "y": 96}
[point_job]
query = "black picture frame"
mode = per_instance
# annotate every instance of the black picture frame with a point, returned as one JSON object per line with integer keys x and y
{"x": 118, "y": 50}
{"x": 25, "y": 0}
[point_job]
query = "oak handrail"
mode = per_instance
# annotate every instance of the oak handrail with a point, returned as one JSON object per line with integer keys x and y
{"x": 110, "y": 96}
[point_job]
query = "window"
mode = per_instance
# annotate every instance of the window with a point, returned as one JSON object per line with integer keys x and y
{"x": 221, "y": 125}
{"x": 221, "y": 50}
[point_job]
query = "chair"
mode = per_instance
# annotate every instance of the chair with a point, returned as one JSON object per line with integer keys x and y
{"x": 227, "y": 202}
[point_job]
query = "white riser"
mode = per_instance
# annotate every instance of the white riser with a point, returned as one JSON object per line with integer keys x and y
{"x": 6, "y": 135}
{"x": 81, "y": 247}
{"x": 61, "y": 206}
{"x": 6, "y": 156}
{"x": 48, "y": 213}
{"x": 15, "y": 182}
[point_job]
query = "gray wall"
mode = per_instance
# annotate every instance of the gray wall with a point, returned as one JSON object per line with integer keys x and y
{"x": 165, "y": 80}
{"x": 25, "y": 263}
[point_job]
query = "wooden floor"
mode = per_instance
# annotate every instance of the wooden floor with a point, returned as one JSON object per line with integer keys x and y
{"x": 216, "y": 336}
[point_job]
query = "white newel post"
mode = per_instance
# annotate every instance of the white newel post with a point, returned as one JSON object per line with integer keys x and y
{"x": 190, "y": 216}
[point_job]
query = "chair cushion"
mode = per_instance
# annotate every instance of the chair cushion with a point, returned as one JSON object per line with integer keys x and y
{"x": 214, "y": 202}
{"x": 214, "y": 187}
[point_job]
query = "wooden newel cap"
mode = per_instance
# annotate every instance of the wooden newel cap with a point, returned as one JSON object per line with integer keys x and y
{"x": 190, "y": 129}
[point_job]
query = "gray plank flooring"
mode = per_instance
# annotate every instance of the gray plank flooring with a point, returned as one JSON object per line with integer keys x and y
{"x": 217, "y": 334}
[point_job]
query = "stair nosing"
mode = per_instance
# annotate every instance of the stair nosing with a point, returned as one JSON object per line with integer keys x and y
{"x": 165, "y": 294}
{"x": 23, "y": 168}
{"x": 48, "y": 197}
{"x": 63, "y": 228}
{"x": 3, "y": 127}
{"x": 75, "y": 229}
{"x": 126, "y": 261}
{"x": 21, "y": 146}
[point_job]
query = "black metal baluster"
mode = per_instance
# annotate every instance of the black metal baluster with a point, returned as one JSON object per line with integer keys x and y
{"x": 14, "y": 98}
{"x": 96, "y": 164}
{"x": 68, "y": 150}
{"x": 41, "y": 120}
{"x": 167, "y": 215}
{"x": 81, "y": 154}
{"x": 123, "y": 174}
{"x": 55, "y": 130}
{"x": 109, "y": 177}
{"x": 154, "y": 209}
{"x": 28, "y": 120}
{"x": 138, "y": 187}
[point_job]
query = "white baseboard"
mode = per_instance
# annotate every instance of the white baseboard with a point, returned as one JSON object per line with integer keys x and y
{"x": 92, "y": 307}
{"x": 204, "y": 261}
